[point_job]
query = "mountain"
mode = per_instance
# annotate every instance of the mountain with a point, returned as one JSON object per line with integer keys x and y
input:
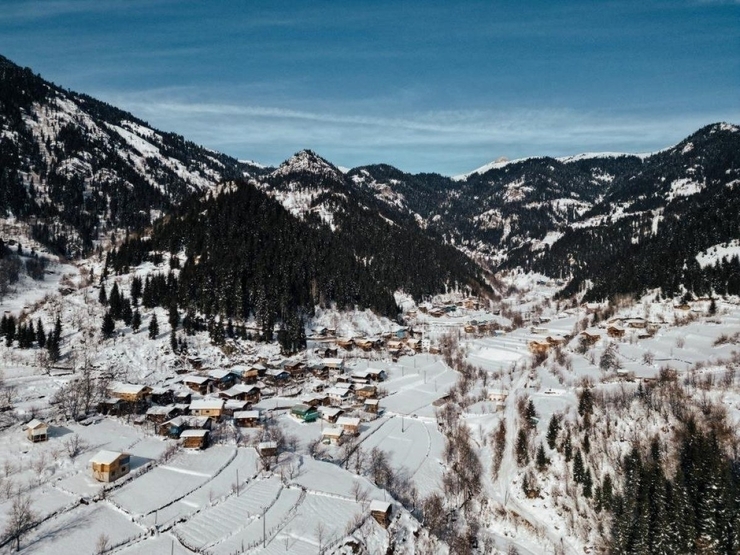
{"x": 79, "y": 167}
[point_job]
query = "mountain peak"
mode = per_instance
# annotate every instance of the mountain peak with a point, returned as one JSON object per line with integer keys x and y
{"x": 307, "y": 161}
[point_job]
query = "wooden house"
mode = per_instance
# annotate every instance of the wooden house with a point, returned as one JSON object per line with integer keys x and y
{"x": 590, "y": 336}
{"x": 330, "y": 414}
{"x": 201, "y": 384}
{"x": 345, "y": 342}
{"x": 335, "y": 365}
{"x": 330, "y": 352}
{"x": 381, "y": 512}
{"x": 556, "y": 340}
{"x": 414, "y": 344}
{"x": 366, "y": 391}
{"x": 294, "y": 368}
{"x": 112, "y": 406}
{"x": 161, "y": 396}
{"x": 182, "y": 397}
{"x": 37, "y": 431}
{"x": 158, "y": 414}
{"x": 350, "y": 425}
{"x": 131, "y": 393}
{"x": 340, "y": 396}
{"x": 249, "y": 393}
{"x": 315, "y": 399}
{"x": 332, "y": 436}
{"x": 222, "y": 379}
{"x": 267, "y": 449}
{"x": 304, "y": 413}
{"x": 195, "y": 439}
{"x": 173, "y": 428}
{"x": 213, "y": 408}
{"x": 371, "y": 406}
{"x": 247, "y": 418}
{"x": 108, "y": 466}
{"x": 539, "y": 347}
{"x": 277, "y": 375}
{"x": 394, "y": 344}
{"x": 364, "y": 343}
{"x": 232, "y": 406}
{"x": 615, "y": 331}
{"x": 376, "y": 374}
{"x": 497, "y": 395}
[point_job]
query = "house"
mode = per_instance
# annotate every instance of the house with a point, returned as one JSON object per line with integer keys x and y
{"x": 232, "y": 406}
{"x": 315, "y": 399}
{"x": 350, "y": 425}
{"x": 161, "y": 395}
{"x": 131, "y": 393}
{"x": 364, "y": 344}
{"x": 332, "y": 436}
{"x": 556, "y": 340}
{"x": 414, "y": 344}
{"x": 371, "y": 405}
{"x": 275, "y": 375}
{"x": 539, "y": 347}
{"x": 173, "y": 428}
{"x": 112, "y": 406}
{"x": 201, "y": 384}
{"x": 394, "y": 345}
{"x": 252, "y": 373}
{"x": 250, "y": 393}
{"x": 158, "y": 414}
{"x": 345, "y": 342}
{"x": 267, "y": 449}
{"x": 304, "y": 413}
{"x": 331, "y": 352}
{"x": 497, "y": 395}
{"x": 330, "y": 414}
{"x": 108, "y": 466}
{"x": 590, "y": 336}
{"x": 333, "y": 364}
{"x": 339, "y": 396}
{"x": 376, "y": 374}
{"x": 247, "y": 418}
{"x": 195, "y": 439}
{"x": 366, "y": 391}
{"x": 381, "y": 512}
{"x": 37, "y": 431}
{"x": 615, "y": 331}
{"x": 222, "y": 379}
{"x": 212, "y": 408}
{"x": 294, "y": 368}
{"x": 182, "y": 397}
{"x": 360, "y": 376}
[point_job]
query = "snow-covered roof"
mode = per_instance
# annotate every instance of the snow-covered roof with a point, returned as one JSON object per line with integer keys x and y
{"x": 207, "y": 404}
{"x": 330, "y": 411}
{"x": 372, "y": 401}
{"x": 332, "y": 432}
{"x": 219, "y": 374}
{"x": 267, "y": 445}
{"x": 105, "y": 457}
{"x": 348, "y": 421}
{"x": 338, "y": 391}
{"x": 36, "y": 423}
{"x": 195, "y": 379}
{"x": 247, "y": 414}
{"x": 160, "y": 410}
{"x": 194, "y": 433}
{"x": 332, "y": 361}
{"x": 128, "y": 388}
{"x": 379, "y": 506}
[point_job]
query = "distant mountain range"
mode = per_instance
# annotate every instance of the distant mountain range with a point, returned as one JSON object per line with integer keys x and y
{"x": 77, "y": 168}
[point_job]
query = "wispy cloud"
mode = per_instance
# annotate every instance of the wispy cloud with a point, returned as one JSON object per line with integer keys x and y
{"x": 447, "y": 142}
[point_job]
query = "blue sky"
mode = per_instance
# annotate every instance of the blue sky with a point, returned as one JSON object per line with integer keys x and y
{"x": 426, "y": 86}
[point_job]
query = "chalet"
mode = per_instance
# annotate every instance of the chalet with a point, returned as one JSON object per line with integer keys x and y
{"x": 161, "y": 396}
{"x": 350, "y": 425}
{"x": 37, "y": 431}
{"x": 381, "y": 512}
{"x": 131, "y": 393}
{"x": 275, "y": 375}
{"x": 590, "y": 336}
{"x": 195, "y": 439}
{"x": 414, "y": 344}
{"x": 334, "y": 364}
{"x": 497, "y": 395}
{"x": 376, "y": 374}
{"x": 247, "y": 418}
{"x": 331, "y": 352}
{"x": 539, "y": 347}
{"x": 232, "y": 406}
{"x": 173, "y": 428}
{"x": 201, "y": 384}
{"x": 330, "y": 414}
{"x": 294, "y": 368}
{"x": 339, "y": 396}
{"x": 182, "y": 397}
{"x": 637, "y": 323}
{"x": 212, "y": 408}
{"x": 267, "y": 449}
{"x": 364, "y": 344}
{"x": 366, "y": 391}
{"x": 345, "y": 342}
{"x": 108, "y": 466}
{"x": 158, "y": 414}
{"x": 320, "y": 332}
{"x": 304, "y": 413}
{"x": 394, "y": 344}
{"x": 556, "y": 340}
{"x": 222, "y": 379}
{"x": 371, "y": 406}
{"x": 399, "y": 332}
{"x": 112, "y": 406}
{"x": 332, "y": 436}
{"x": 360, "y": 376}
{"x": 241, "y": 392}
{"x": 615, "y": 331}
{"x": 315, "y": 399}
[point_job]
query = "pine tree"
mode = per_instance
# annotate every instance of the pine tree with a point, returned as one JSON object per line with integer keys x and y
{"x": 531, "y": 414}
{"x": 126, "y": 312}
{"x": 40, "y": 334}
{"x": 578, "y": 469}
{"x": 109, "y": 325}
{"x": 102, "y": 297}
{"x": 153, "y": 327}
{"x": 567, "y": 447}
{"x": 58, "y": 328}
{"x": 541, "y": 460}
{"x": 174, "y": 316}
{"x": 173, "y": 341}
{"x": 587, "y": 484}
{"x": 553, "y": 429}
{"x": 586, "y": 443}
{"x": 115, "y": 303}
{"x": 136, "y": 320}
{"x": 522, "y": 454}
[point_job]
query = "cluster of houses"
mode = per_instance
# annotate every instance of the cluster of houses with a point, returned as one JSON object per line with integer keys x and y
{"x": 400, "y": 340}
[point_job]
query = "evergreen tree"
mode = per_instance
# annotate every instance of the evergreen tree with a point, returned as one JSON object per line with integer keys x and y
{"x": 522, "y": 453}
{"x": 173, "y": 341}
{"x": 58, "y": 328}
{"x": 531, "y": 414}
{"x": 109, "y": 325}
{"x": 135, "y": 289}
{"x": 553, "y": 429}
{"x": 52, "y": 346}
{"x": 102, "y": 296}
{"x": 126, "y": 312}
{"x": 587, "y": 484}
{"x": 579, "y": 472}
{"x": 136, "y": 321}
{"x": 567, "y": 447}
{"x": 174, "y": 316}
{"x": 153, "y": 327}
{"x": 40, "y": 334}
{"x": 586, "y": 443}
{"x": 541, "y": 460}
{"x": 115, "y": 302}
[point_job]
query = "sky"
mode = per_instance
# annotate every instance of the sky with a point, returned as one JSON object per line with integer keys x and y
{"x": 427, "y": 86}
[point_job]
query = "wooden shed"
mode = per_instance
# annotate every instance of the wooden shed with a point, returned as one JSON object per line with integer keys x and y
{"x": 371, "y": 405}
{"x": 37, "y": 431}
{"x": 381, "y": 512}
{"x": 332, "y": 436}
{"x": 108, "y": 466}
{"x": 267, "y": 449}
{"x": 350, "y": 425}
{"x": 195, "y": 439}
{"x": 207, "y": 407}
{"x": 247, "y": 418}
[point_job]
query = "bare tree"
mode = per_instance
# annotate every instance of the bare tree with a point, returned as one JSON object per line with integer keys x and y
{"x": 320, "y": 534}
{"x": 20, "y": 520}
{"x": 102, "y": 545}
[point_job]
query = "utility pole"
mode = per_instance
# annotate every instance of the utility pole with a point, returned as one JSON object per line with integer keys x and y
{"x": 264, "y": 528}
